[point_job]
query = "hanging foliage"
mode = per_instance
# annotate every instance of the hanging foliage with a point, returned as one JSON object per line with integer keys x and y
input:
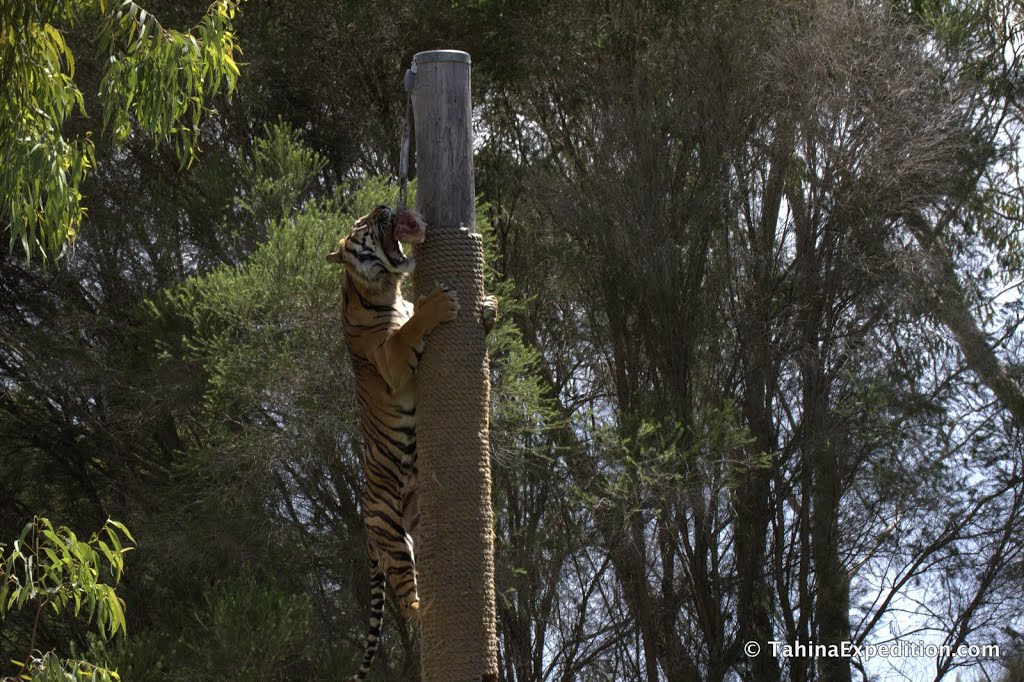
{"x": 156, "y": 80}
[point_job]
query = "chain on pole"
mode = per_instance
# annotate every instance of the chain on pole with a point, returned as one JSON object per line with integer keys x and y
{"x": 403, "y": 158}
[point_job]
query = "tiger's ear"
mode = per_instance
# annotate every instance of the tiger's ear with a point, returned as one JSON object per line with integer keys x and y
{"x": 336, "y": 257}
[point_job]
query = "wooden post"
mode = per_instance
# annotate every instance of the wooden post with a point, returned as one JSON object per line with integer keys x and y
{"x": 454, "y": 544}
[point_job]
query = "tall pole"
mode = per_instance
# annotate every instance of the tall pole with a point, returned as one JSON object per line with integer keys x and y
{"x": 455, "y": 541}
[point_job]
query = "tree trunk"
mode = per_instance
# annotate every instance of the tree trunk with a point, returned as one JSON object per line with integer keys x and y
{"x": 950, "y": 307}
{"x": 823, "y": 457}
{"x": 752, "y": 499}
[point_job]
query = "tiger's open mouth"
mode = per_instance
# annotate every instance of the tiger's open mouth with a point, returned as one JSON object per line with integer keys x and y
{"x": 392, "y": 247}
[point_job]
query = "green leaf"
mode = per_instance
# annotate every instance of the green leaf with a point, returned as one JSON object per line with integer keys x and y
{"x": 52, "y": 555}
{"x": 121, "y": 527}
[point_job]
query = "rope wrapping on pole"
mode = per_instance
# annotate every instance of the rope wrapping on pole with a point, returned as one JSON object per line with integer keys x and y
{"x": 455, "y": 544}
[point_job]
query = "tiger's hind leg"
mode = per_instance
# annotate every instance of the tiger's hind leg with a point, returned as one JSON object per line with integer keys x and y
{"x": 400, "y": 567}
{"x": 387, "y": 535}
{"x": 377, "y": 580}
{"x": 410, "y": 521}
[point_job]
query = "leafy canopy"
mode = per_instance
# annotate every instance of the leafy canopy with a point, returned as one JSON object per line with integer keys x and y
{"x": 51, "y": 567}
{"x": 160, "y": 79}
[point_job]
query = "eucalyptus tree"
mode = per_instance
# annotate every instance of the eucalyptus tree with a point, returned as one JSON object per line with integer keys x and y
{"x": 153, "y": 78}
{"x": 737, "y": 225}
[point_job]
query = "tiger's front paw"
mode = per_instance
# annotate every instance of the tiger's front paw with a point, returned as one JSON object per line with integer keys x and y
{"x": 440, "y": 305}
{"x": 489, "y": 313}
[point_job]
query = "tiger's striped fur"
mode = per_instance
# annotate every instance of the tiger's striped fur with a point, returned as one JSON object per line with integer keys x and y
{"x": 385, "y": 336}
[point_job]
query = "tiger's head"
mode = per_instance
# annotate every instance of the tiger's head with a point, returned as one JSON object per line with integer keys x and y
{"x": 372, "y": 251}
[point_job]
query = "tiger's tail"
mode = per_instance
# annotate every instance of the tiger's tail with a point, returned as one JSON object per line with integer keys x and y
{"x": 377, "y": 580}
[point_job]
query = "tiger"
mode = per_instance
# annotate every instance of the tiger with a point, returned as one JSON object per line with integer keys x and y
{"x": 385, "y": 336}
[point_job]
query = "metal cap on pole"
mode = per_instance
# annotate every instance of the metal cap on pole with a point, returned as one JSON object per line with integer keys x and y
{"x": 455, "y": 541}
